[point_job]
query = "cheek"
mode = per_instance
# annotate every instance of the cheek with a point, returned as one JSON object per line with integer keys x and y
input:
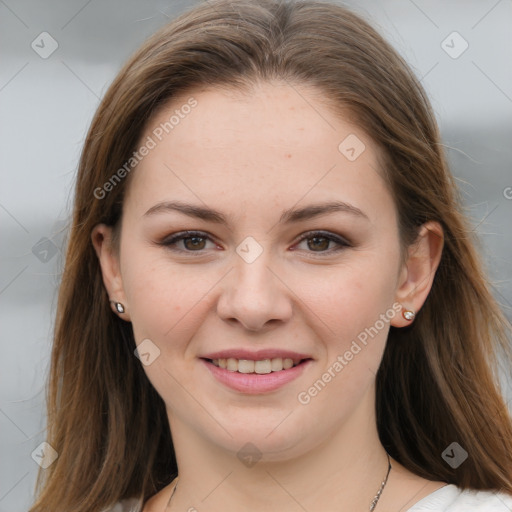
{"x": 167, "y": 301}
{"x": 355, "y": 306}
{"x": 167, "y": 305}
{"x": 164, "y": 299}
{"x": 351, "y": 297}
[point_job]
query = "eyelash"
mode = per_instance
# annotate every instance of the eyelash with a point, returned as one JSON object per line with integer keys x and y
{"x": 172, "y": 240}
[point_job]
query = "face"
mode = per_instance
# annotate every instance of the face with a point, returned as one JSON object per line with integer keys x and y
{"x": 250, "y": 241}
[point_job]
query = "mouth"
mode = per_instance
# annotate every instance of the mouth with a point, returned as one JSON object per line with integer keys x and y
{"x": 260, "y": 366}
{"x": 256, "y": 374}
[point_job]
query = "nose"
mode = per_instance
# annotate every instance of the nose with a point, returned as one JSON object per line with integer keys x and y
{"x": 255, "y": 295}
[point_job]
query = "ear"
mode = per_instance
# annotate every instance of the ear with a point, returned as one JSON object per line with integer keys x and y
{"x": 101, "y": 237}
{"x": 417, "y": 273}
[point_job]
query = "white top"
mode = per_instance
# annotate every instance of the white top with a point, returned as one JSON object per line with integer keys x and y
{"x": 452, "y": 499}
{"x": 446, "y": 499}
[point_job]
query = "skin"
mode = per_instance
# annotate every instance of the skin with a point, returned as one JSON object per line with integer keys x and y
{"x": 251, "y": 156}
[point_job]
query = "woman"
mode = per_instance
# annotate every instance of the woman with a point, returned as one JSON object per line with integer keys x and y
{"x": 268, "y": 261}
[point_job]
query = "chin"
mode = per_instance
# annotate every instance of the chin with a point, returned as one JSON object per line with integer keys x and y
{"x": 267, "y": 441}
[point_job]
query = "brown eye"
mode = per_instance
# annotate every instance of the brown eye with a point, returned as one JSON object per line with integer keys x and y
{"x": 187, "y": 241}
{"x": 318, "y": 243}
{"x": 194, "y": 242}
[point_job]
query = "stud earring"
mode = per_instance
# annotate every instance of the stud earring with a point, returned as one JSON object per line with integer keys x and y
{"x": 119, "y": 307}
{"x": 408, "y": 314}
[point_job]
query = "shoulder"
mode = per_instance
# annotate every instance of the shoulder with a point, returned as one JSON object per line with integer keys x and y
{"x": 128, "y": 505}
{"x": 155, "y": 503}
{"x": 451, "y": 498}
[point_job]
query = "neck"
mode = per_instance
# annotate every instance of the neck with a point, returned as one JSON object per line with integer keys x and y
{"x": 343, "y": 472}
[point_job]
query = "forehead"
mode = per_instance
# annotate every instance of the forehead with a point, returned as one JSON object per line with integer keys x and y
{"x": 278, "y": 140}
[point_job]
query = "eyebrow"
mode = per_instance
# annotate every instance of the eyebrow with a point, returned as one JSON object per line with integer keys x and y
{"x": 288, "y": 216}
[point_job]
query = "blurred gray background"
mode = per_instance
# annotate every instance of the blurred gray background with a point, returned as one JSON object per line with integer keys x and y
{"x": 58, "y": 59}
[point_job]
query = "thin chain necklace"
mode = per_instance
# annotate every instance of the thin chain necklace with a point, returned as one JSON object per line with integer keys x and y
{"x": 382, "y": 485}
{"x": 372, "y": 506}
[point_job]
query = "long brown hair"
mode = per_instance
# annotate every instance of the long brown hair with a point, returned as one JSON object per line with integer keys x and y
{"x": 438, "y": 381}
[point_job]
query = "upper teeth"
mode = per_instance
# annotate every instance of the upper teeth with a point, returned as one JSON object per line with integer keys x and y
{"x": 247, "y": 366}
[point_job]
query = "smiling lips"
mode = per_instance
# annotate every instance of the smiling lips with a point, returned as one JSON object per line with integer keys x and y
{"x": 256, "y": 372}
{"x": 260, "y": 367}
